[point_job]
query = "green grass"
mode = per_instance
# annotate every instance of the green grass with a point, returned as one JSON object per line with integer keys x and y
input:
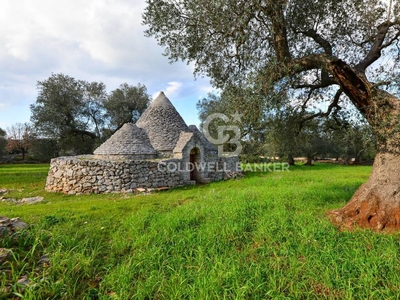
{"x": 263, "y": 237}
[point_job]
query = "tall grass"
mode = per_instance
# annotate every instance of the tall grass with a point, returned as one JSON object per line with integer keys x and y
{"x": 263, "y": 237}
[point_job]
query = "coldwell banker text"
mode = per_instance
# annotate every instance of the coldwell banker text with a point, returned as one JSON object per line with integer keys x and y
{"x": 216, "y": 167}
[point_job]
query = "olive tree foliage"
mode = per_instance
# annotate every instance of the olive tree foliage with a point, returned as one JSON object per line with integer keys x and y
{"x": 94, "y": 97}
{"x": 250, "y": 110}
{"x": 286, "y": 133}
{"x": 353, "y": 142}
{"x": 79, "y": 115}
{"x": 340, "y": 137}
{"x": 126, "y": 104}
{"x": 70, "y": 111}
{"x": 244, "y": 110}
{"x": 319, "y": 51}
{"x": 3, "y": 142}
{"x": 282, "y": 134}
{"x": 299, "y": 48}
{"x": 263, "y": 43}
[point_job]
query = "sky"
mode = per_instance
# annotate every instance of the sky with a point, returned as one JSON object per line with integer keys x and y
{"x": 92, "y": 40}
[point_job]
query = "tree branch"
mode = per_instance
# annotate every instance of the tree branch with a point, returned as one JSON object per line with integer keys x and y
{"x": 279, "y": 30}
{"x": 324, "y": 82}
{"x": 392, "y": 40}
{"x": 354, "y": 84}
{"x": 320, "y": 41}
{"x": 296, "y": 66}
{"x": 333, "y": 105}
{"x": 376, "y": 49}
{"x": 83, "y": 132}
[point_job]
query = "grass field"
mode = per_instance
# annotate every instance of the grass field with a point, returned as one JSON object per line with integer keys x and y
{"x": 265, "y": 236}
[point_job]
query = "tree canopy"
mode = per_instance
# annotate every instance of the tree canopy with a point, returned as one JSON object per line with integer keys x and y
{"x": 126, "y": 104}
{"x": 284, "y": 132}
{"x": 326, "y": 52}
{"x": 80, "y": 114}
{"x": 64, "y": 110}
{"x": 261, "y": 43}
{"x": 3, "y": 141}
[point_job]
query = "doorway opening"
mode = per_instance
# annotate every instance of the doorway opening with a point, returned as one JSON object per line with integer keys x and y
{"x": 194, "y": 165}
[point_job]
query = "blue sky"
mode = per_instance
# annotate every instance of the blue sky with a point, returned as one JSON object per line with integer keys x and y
{"x": 92, "y": 40}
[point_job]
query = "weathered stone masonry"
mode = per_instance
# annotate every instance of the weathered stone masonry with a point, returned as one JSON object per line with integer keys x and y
{"x": 85, "y": 174}
{"x": 160, "y": 150}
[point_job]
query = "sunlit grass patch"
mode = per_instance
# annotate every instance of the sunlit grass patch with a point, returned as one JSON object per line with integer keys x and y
{"x": 265, "y": 236}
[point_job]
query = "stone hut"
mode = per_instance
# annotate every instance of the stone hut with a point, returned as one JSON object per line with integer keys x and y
{"x": 163, "y": 125}
{"x": 129, "y": 142}
{"x": 159, "y": 151}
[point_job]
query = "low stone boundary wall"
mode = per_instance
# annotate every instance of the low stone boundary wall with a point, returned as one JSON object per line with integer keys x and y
{"x": 86, "y": 174}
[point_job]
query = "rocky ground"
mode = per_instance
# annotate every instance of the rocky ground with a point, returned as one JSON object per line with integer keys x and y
{"x": 12, "y": 233}
{"x": 29, "y": 200}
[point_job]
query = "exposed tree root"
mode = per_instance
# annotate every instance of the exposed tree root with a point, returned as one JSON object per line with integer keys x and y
{"x": 371, "y": 212}
{"x": 376, "y": 203}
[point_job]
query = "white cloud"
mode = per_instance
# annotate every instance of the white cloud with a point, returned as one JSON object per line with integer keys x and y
{"x": 93, "y": 40}
{"x": 171, "y": 91}
{"x": 173, "y": 88}
{"x": 98, "y": 28}
{"x": 3, "y": 106}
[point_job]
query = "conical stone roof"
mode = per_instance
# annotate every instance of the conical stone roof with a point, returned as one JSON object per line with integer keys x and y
{"x": 162, "y": 123}
{"x": 128, "y": 141}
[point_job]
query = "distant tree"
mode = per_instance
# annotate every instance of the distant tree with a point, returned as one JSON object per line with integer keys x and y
{"x": 3, "y": 141}
{"x": 363, "y": 142}
{"x": 44, "y": 149}
{"x": 282, "y": 135}
{"x": 19, "y": 138}
{"x": 310, "y": 141}
{"x": 243, "y": 109}
{"x": 69, "y": 111}
{"x": 292, "y": 133}
{"x": 126, "y": 104}
{"x": 355, "y": 139}
{"x": 94, "y": 97}
{"x": 286, "y": 131}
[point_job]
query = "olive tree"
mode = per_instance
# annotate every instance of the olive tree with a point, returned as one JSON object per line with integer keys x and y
{"x": 3, "y": 142}
{"x": 329, "y": 52}
{"x": 70, "y": 111}
{"x": 126, "y": 104}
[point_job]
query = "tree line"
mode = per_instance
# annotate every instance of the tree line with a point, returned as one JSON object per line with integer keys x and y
{"x": 72, "y": 117}
{"x": 282, "y": 130}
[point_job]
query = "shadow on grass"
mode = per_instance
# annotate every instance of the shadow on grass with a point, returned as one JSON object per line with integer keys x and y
{"x": 255, "y": 172}
{"x": 334, "y": 194}
{"x": 323, "y": 166}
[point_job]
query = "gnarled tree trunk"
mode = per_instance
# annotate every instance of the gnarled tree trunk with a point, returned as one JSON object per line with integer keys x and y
{"x": 291, "y": 159}
{"x": 357, "y": 159}
{"x": 376, "y": 203}
{"x": 309, "y": 161}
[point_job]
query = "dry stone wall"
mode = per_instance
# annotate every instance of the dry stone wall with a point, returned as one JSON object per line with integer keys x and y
{"x": 86, "y": 174}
